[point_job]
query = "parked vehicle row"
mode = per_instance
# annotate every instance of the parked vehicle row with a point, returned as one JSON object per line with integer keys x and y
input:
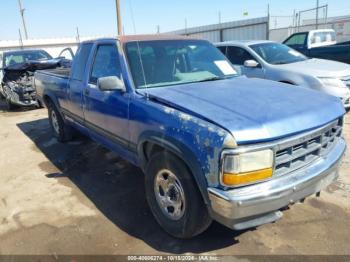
{"x": 278, "y": 62}
{"x": 213, "y": 145}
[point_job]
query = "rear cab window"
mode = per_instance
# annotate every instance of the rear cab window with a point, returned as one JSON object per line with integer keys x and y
{"x": 80, "y": 61}
{"x": 297, "y": 39}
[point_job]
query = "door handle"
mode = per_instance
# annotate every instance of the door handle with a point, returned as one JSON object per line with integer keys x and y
{"x": 86, "y": 91}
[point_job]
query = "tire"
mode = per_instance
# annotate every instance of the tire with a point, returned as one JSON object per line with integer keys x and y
{"x": 9, "y": 105}
{"x": 39, "y": 104}
{"x": 60, "y": 129}
{"x": 189, "y": 217}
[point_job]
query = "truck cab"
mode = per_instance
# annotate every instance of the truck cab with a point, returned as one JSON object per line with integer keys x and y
{"x": 320, "y": 44}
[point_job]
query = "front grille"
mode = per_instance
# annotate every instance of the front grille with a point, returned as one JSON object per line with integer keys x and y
{"x": 302, "y": 151}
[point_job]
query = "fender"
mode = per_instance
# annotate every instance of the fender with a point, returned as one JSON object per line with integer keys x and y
{"x": 176, "y": 147}
{"x": 53, "y": 98}
{"x": 51, "y": 95}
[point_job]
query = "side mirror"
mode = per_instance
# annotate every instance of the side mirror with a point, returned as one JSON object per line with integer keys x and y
{"x": 251, "y": 64}
{"x": 110, "y": 83}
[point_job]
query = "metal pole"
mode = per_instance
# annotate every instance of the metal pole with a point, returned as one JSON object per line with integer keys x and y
{"x": 268, "y": 23}
{"x": 185, "y": 26}
{"x": 317, "y": 4}
{"x": 20, "y": 37}
{"x": 78, "y": 35}
{"x": 119, "y": 20}
{"x": 21, "y": 10}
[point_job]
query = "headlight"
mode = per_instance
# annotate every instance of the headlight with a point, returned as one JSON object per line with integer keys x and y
{"x": 332, "y": 82}
{"x": 246, "y": 168}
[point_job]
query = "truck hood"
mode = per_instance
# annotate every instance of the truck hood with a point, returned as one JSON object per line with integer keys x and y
{"x": 318, "y": 68}
{"x": 252, "y": 110}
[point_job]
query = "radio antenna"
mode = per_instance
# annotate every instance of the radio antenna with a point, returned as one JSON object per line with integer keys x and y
{"x": 132, "y": 17}
{"x": 141, "y": 63}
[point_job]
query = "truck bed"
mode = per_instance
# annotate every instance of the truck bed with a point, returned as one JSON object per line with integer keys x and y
{"x": 52, "y": 80}
{"x": 58, "y": 72}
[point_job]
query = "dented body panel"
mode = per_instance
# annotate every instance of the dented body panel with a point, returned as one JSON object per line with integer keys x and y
{"x": 196, "y": 122}
{"x": 17, "y": 75}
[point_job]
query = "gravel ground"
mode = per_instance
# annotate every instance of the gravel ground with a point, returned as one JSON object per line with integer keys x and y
{"x": 79, "y": 198}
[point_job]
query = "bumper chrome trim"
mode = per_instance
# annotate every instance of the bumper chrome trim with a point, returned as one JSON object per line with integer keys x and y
{"x": 232, "y": 206}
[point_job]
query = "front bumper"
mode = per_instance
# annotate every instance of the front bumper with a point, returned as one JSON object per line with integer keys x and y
{"x": 258, "y": 204}
{"x": 22, "y": 99}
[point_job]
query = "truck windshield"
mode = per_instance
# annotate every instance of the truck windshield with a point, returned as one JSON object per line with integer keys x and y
{"x": 171, "y": 62}
{"x": 277, "y": 54}
{"x": 19, "y": 57}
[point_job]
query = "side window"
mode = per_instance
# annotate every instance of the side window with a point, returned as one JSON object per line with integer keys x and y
{"x": 0, "y": 60}
{"x": 80, "y": 60}
{"x": 222, "y": 49}
{"x": 237, "y": 55}
{"x": 106, "y": 63}
{"x": 298, "y": 39}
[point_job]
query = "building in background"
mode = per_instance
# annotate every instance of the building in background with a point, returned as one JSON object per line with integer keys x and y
{"x": 250, "y": 29}
{"x": 51, "y": 45}
{"x": 247, "y": 29}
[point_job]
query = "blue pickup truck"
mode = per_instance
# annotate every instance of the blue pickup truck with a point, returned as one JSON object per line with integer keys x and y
{"x": 212, "y": 144}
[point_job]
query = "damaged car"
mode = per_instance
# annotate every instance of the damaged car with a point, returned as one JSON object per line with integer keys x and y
{"x": 16, "y": 75}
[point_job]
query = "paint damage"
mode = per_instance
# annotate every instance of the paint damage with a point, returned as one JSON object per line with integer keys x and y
{"x": 208, "y": 140}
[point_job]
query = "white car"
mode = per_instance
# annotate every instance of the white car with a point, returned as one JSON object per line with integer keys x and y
{"x": 278, "y": 62}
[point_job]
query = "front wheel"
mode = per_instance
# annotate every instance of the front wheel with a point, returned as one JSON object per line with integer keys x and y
{"x": 174, "y": 198}
{"x": 9, "y": 105}
{"x": 60, "y": 129}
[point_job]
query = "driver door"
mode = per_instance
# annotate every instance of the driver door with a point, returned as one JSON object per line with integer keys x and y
{"x": 106, "y": 112}
{"x": 238, "y": 56}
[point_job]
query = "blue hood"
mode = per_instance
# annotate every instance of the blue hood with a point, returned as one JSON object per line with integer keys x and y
{"x": 253, "y": 110}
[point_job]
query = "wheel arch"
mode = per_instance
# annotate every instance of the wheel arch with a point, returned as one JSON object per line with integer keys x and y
{"x": 153, "y": 142}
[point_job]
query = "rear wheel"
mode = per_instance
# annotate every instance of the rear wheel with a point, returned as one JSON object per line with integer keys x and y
{"x": 174, "y": 198}
{"x": 59, "y": 128}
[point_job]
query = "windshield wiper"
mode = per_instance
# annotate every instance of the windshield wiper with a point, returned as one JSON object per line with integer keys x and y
{"x": 280, "y": 63}
{"x": 214, "y": 78}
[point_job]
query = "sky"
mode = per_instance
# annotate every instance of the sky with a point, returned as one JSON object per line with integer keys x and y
{"x": 60, "y": 18}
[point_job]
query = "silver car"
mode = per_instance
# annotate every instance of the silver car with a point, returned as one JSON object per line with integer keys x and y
{"x": 274, "y": 61}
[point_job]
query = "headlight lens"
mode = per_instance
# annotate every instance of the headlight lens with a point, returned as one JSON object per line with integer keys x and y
{"x": 247, "y": 168}
{"x": 332, "y": 82}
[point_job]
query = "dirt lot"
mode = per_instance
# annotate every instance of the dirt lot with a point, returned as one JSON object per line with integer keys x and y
{"x": 79, "y": 198}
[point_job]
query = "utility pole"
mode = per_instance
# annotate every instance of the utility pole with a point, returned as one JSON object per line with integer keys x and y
{"x": 20, "y": 38}
{"x": 21, "y": 10}
{"x": 119, "y": 19}
{"x": 77, "y": 35}
{"x": 317, "y": 5}
{"x": 268, "y": 23}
